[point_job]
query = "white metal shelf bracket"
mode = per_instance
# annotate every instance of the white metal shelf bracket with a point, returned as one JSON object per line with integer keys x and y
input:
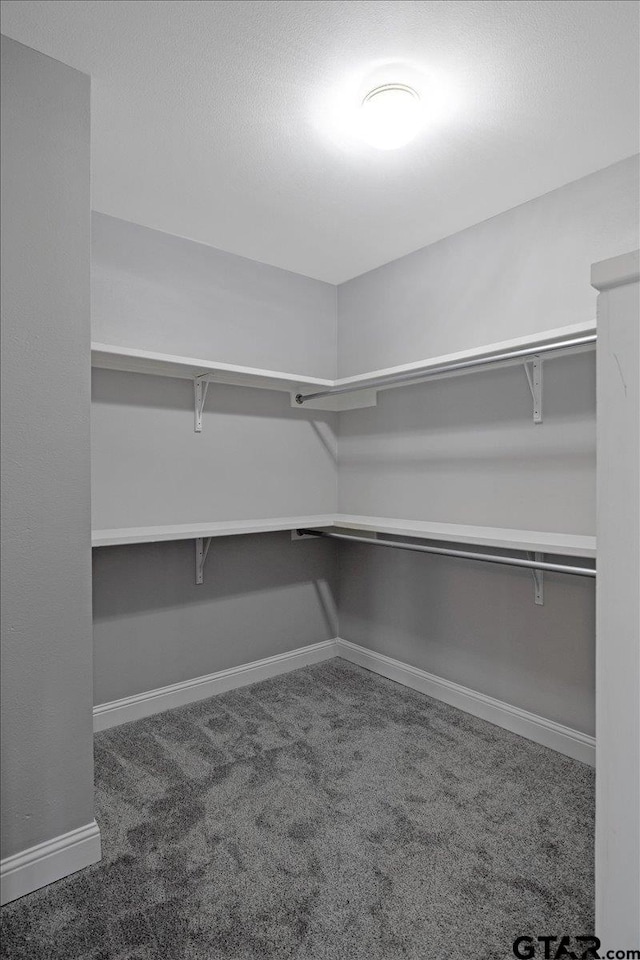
{"x": 538, "y": 580}
{"x": 533, "y": 370}
{"x": 202, "y": 549}
{"x": 200, "y": 387}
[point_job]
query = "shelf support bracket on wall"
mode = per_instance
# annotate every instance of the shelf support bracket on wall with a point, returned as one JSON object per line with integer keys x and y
{"x": 200, "y": 387}
{"x": 538, "y": 580}
{"x": 202, "y": 549}
{"x": 533, "y": 370}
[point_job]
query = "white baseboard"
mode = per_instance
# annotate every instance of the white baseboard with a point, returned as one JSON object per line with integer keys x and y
{"x": 145, "y": 704}
{"x": 563, "y": 739}
{"x": 570, "y": 742}
{"x": 49, "y": 861}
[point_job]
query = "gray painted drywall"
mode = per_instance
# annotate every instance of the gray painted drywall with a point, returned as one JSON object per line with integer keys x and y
{"x": 477, "y": 625}
{"x": 618, "y": 593}
{"x": 47, "y": 785}
{"x": 519, "y": 273}
{"x": 159, "y": 292}
{"x": 256, "y": 457}
{"x": 261, "y": 595}
{"x": 466, "y": 449}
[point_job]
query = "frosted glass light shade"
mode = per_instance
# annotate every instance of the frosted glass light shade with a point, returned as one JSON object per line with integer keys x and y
{"x": 390, "y": 116}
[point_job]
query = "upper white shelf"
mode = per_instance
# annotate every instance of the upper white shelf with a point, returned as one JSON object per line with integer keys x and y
{"x": 489, "y": 352}
{"x": 108, "y": 357}
{"x": 359, "y": 390}
{"x": 563, "y": 544}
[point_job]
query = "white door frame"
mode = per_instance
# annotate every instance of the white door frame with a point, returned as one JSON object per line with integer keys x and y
{"x": 618, "y": 603}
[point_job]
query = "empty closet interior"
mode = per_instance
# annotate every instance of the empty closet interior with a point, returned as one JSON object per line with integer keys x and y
{"x": 301, "y": 650}
{"x": 259, "y": 437}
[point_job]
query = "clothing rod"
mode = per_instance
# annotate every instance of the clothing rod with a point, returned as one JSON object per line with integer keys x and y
{"x": 461, "y": 554}
{"x": 398, "y": 379}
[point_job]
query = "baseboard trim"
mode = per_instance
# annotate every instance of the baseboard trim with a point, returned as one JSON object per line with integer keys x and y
{"x": 565, "y": 740}
{"x": 49, "y": 861}
{"x": 145, "y": 704}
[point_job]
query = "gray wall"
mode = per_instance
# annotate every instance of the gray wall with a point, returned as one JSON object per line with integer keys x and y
{"x": 256, "y": 457}
{"x": 524, "y": 271}
{"x": 476, "y": 625}
{"x": 466, "y": 449}
{"x": 47, "y": 786}
{"x": 261, "y": 595}
{"x": 159, "y": 292}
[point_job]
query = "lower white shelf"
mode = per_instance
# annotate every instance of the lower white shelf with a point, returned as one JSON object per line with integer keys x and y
{"x": 563, "y": 544}
{"x": 193, "y": 531}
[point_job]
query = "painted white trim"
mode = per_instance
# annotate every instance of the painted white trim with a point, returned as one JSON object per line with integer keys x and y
{"x": 616, "y": 272}
{"x": 617, "y": 604}
{"x": 145, "y": 704}
{"x": 563, "y": 739}
{"x": 49, "y": 861}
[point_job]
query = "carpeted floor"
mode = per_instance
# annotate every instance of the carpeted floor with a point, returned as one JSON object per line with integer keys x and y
{"x": 323, "y": 815}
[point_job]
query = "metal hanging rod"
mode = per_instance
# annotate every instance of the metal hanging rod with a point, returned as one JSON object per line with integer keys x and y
{"x": 461, "y": 554}
{"x": 413, "y": 376}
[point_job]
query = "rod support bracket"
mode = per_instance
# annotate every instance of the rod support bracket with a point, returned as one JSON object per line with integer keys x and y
{"x": 533, "y": 370}
{"x": 202, "y": 549}
{"x": 200, "y": 387}
{"x": 538, "y": 580}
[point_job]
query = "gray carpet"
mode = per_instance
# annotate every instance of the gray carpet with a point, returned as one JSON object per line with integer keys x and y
{"x": 324, "y": 815}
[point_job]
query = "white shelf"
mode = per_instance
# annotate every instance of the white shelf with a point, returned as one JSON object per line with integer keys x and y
{"x": 193, "y": 531}
{"x": 108, "y": 357}
{"x": 489, "y": 350}
{"x": 563, "y": 544}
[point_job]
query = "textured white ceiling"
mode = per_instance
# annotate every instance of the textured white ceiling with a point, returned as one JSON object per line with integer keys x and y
{"x": 228, "y": 122}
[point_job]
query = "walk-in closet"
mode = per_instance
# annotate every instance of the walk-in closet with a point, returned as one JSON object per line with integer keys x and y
{"x": 321, "y": 484}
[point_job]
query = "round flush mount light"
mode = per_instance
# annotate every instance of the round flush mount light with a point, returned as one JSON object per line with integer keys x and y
{"x": 390, "y": 116}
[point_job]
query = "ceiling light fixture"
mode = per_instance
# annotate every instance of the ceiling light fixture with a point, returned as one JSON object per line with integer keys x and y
{"x": 390, "y": 116}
